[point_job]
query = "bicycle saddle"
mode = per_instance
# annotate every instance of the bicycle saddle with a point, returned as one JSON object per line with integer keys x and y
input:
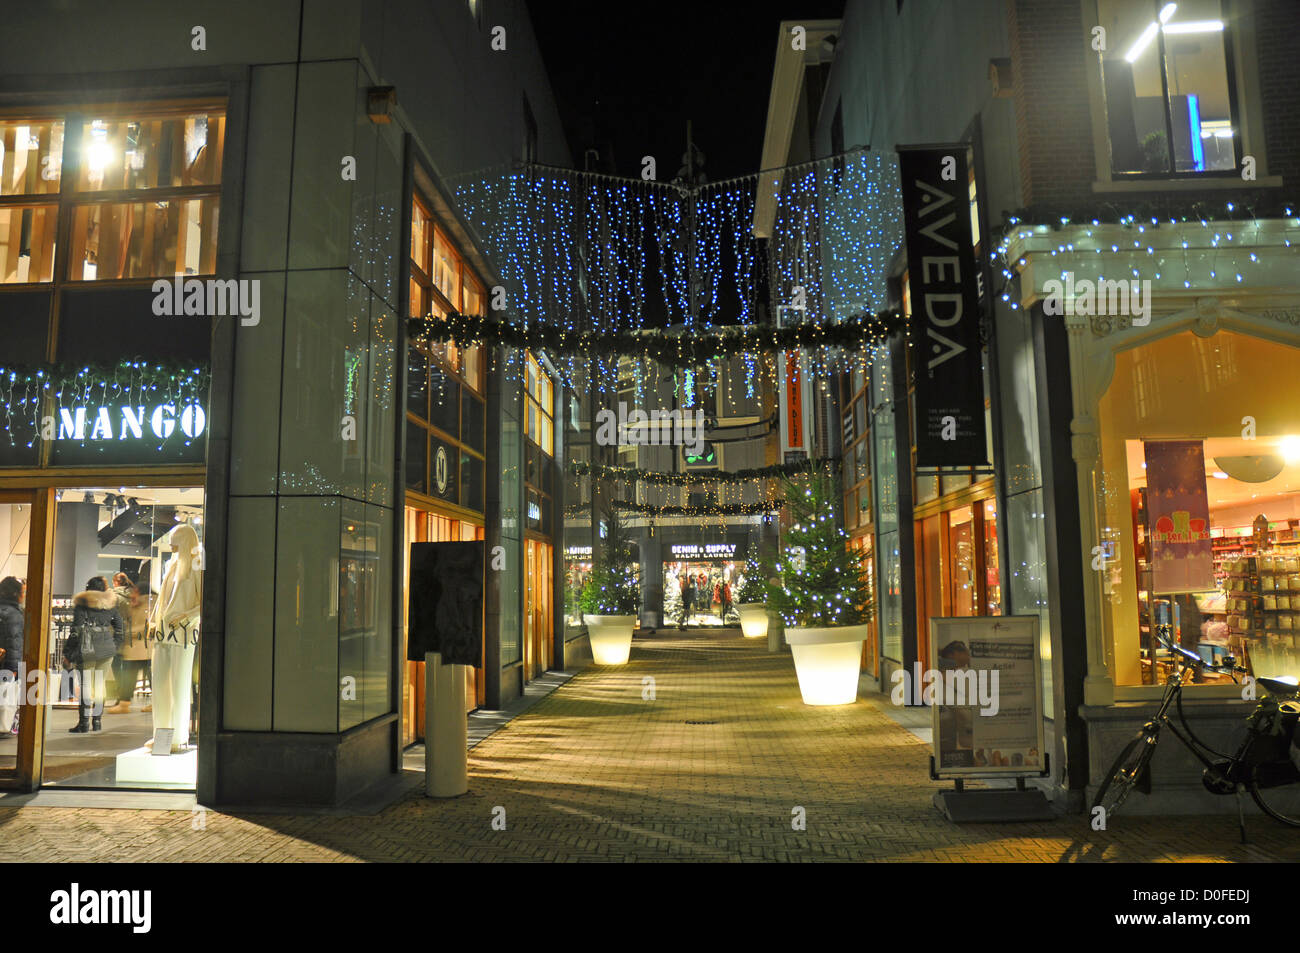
{"x": 1283, "y": 685}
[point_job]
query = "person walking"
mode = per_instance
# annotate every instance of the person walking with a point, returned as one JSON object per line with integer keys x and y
{"x": 688, "y": 600}
{"x": 97, "y": 633}
{"x": 133, "y": 656}
{"x": 726, "y": 601}
{"x": 12, "y": 592}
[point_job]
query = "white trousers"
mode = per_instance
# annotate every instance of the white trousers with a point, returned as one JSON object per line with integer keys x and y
{"x": 173, "y": 675}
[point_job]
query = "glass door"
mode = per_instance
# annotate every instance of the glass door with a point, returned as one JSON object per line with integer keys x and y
{"x": 22, "y": 545}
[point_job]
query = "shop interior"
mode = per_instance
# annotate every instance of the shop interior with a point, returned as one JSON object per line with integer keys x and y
{"x": 707, "y": 606}
{"x": 146, "y": 542}
{"x": 1253, "y": 611}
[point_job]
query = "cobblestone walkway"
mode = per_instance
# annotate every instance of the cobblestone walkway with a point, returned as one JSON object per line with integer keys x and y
{"x": 709, "y": 768}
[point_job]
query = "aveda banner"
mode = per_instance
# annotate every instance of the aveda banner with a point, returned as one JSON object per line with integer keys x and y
{"x": 944, "y": 283}
{"x": 1178, "y": 517}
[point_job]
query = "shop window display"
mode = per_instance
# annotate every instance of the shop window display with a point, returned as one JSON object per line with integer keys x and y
{"x": 1202, "y": 514}
{"x": 130, "y": 560}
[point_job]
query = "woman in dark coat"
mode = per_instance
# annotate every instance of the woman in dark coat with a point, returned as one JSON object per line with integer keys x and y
{"x": 96, "y": 625}
{"x": 11, "y": 648}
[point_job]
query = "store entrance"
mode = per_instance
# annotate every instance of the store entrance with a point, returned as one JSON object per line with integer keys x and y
{"x": 120, "y": 654}
{"x": 17, "y": 509}
{"x": 701, "y": 593}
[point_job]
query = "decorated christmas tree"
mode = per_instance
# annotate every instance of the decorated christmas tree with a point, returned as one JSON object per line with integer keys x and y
{"x": 612, "y": 587}
{"x": 823, "y": 583}
{"x": 753, "y": 580}
{"x": 672, "y": 599}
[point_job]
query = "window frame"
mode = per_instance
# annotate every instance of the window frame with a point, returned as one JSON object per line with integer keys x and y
{"x": 1243, "y": 78}
{"x": 68, "y": 199}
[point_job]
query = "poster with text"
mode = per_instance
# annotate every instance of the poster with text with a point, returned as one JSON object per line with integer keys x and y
{"x": 1178, "y": 517}
{"x": 985, "y": 690}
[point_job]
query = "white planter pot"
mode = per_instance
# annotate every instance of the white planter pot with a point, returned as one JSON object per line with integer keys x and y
{"x": 611, "y": 637}
{"x": 753, "y": 619}
{"x": 827, "y": 662}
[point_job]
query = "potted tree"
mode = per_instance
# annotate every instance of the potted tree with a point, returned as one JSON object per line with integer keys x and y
{"x": 611, "y": 597}
{"x": 751, "y": 599}
{"x": 823, "y": 595}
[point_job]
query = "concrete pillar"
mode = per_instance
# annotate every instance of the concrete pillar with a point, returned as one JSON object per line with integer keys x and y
{"x": 446, "y": 738}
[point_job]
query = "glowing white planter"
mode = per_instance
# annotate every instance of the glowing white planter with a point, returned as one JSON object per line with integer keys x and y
{"x": 611, "y": 637}
{"x": 827, "y": 662}
{"x": 753, "y": 619}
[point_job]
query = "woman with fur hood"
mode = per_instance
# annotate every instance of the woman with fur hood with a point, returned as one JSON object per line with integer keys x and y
{"x": 133, "y": 657}
{"x": 97, "y": 634}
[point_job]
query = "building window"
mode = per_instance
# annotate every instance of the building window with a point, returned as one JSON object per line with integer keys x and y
{"x": 138, "y": 187}
{"x": 539, "y": 399}
{"x": 1168, "y": 79}
{"x": 440, "y": 284}
{"x": 445, "y": 409}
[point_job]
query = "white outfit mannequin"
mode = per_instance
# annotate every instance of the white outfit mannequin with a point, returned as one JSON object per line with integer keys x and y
{"x": 174, "y": 631}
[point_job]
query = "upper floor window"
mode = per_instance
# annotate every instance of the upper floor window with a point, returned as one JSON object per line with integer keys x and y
{"x": 539, "y": 400}
{"x": 1170, "y": 96}
{"x": 441, "y": 283}
{"x": 137, "y": 187}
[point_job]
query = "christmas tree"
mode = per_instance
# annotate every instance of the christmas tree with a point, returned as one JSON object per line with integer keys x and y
{"x": 672, "y": 599}
{"x": 612, "y": 587}
{"x": 753, "y": 580}
{"x": 823, "y": 582}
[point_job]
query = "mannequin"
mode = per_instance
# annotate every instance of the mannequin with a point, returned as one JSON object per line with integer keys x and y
{"x": 174, "y": 632}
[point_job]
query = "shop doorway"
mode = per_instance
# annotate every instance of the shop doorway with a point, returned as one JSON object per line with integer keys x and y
{"x": 425, "y": 526}
{"x": 17, "y": 510}
{"x": 134, "y": 555}
{"x": 538, "y": 590}
{"x": 696, "y": 593}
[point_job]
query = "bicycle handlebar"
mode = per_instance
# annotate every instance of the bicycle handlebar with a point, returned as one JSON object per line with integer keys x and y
{"x": 1190, "y": 656}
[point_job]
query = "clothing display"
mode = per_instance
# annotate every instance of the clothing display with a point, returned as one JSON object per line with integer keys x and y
{"x": 173, "y": 630}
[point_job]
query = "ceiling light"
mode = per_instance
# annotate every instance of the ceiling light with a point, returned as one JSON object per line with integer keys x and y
{"x": 1290, "y": 447}
{"x": 1219, "y": 475}
{"x": 1143, "y": 42}
{"x": 1194, "y": 26}
{"x": 1167, "y": 12}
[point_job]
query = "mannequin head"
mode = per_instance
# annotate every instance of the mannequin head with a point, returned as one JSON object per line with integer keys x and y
{"x": 184, "y": 542}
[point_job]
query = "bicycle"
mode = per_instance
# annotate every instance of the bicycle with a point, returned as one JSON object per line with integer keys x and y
{"x": 1261, "y": 763}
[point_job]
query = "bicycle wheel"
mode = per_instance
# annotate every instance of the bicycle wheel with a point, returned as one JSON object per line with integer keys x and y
{"x": 1124, "y": 774}
{"x": 1285, "y": 808}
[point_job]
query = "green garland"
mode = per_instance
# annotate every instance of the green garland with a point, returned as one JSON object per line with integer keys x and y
{"x": 25, "y": 388}
{"x": 724, "y": 478}
{"x": 685, "y": 350}
{"x": 715, "y": 509}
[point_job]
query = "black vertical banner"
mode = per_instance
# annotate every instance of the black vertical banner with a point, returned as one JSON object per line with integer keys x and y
{"x": 943, "y": 279}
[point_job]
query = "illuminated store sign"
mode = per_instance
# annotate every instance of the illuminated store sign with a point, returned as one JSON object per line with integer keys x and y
{"x": 705, "y": 550}
{"x": 130, "y": 423}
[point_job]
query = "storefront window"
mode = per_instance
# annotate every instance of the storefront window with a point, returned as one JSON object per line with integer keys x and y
{"x": 1200, "y": 457}
{"x": 136, "y": 552}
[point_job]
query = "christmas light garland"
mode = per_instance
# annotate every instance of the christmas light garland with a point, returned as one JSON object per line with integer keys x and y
{"x": 728, "y": 478}
{"x": 673, "y": 350}
{"x": 707, "y": 509}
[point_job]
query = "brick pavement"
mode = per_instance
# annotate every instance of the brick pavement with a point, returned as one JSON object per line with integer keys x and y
{"x": 597, "y": 772}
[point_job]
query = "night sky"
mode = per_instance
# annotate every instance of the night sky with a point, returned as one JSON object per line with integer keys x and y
{"x": 628, "y": 76}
